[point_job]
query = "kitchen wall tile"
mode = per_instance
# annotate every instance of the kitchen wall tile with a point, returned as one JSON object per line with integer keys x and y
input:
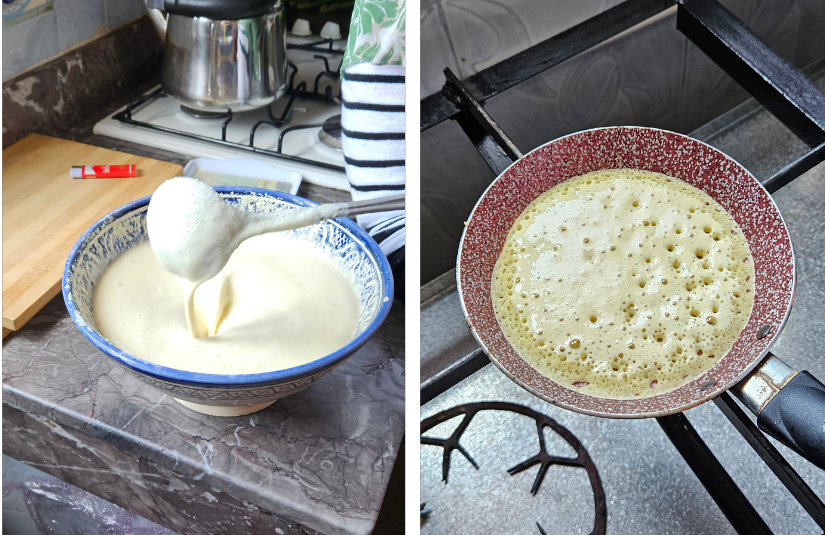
{"x": 66, "y": 89}
{"x": 476, "y": 34}
{"x": 79, "y": 21}
{"x": 453, "y": 176}
{"x": 634, "y": 79}
{"x": 485, "y": 32}
{"x": 28, "y": 43}
{"x": 436, "y": 48}
{"x": 122, "y": 11}
{"x": 810, "y": 34}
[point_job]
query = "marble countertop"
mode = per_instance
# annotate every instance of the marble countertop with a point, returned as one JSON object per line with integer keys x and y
{"x": 318, "y": 461}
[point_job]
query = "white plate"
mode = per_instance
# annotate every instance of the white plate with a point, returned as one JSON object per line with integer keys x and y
{"x": 246, "y": 172}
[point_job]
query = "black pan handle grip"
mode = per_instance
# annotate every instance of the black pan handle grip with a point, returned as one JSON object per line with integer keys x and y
{"x": 796, "y": 417}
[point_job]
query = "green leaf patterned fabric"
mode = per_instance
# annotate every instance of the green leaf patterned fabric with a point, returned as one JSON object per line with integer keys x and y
{"x": 377, "y": 33}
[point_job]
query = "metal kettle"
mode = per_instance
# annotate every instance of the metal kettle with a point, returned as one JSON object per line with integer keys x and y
{"x": 222, "y": 55}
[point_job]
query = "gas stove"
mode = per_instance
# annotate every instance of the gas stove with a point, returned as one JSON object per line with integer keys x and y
{"x": 300, "y": 131}
{"x": 496, "y": 459}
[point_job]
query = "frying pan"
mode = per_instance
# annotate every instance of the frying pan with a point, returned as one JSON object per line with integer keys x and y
{"x": 790, "y": 406}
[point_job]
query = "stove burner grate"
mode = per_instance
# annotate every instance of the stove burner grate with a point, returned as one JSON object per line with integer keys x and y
{"x": 299, "y": 91}
{"x": 542, "y": 458}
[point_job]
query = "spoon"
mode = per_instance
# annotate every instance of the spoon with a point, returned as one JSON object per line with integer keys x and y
{"x": 193, "y": 231}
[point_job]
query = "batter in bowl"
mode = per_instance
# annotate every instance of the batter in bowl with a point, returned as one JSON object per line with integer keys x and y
{"x": 623, "y": 283}
{"x": 277, "y": 303}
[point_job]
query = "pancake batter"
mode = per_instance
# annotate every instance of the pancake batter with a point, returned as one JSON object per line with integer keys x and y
{"x": 623, "y": 283}
{"x": 276, "y": 304}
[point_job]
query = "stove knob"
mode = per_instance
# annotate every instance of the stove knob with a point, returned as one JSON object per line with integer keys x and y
{"x": 301, "y": 28}
{"x": 331, "y": 31}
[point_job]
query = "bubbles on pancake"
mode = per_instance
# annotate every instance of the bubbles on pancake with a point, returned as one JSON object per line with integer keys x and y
{"x": 623, "y": 283}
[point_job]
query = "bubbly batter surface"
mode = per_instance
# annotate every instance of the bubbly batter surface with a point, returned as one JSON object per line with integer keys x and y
{"x": 623, "y": 283}
{"x": 276, "y": 304}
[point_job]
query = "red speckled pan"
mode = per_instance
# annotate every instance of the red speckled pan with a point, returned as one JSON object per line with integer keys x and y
{"x": 698, "y": 164}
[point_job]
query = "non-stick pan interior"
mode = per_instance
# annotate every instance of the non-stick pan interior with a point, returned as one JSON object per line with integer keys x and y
{"x": 638, "y": 148}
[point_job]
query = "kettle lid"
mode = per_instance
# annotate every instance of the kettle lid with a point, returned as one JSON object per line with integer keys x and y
{"x": 219, "y": 9}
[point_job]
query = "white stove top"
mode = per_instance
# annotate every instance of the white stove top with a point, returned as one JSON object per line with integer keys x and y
{"x": 166, "y": 112}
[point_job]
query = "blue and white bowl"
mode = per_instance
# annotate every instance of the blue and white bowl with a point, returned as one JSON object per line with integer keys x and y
{"x": 345, "y": 244}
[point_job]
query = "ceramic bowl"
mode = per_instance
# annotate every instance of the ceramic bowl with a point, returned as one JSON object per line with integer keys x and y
{"x": 345, "y": 244}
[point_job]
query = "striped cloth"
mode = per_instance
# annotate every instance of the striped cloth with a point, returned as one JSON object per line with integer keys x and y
{"x": 372, "y": 119}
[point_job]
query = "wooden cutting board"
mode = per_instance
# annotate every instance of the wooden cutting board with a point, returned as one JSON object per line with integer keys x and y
{"x": 45, "y": 212}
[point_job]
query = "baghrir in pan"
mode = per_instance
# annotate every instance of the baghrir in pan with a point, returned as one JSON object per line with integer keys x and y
{"x": 623, "y": 283}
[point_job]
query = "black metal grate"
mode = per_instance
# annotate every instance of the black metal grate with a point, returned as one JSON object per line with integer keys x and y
{"x": 300, "y": 92}
{"x": 542, "y": 458}
{"x": 782, "y": 88}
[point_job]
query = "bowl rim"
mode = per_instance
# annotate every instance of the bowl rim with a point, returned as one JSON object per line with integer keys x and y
{"x": 210, "y": 380}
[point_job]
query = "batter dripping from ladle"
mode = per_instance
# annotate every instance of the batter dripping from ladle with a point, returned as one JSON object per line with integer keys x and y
{"x": 193, "y": 233}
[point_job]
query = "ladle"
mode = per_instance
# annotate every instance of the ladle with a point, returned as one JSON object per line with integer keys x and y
{"x": 193, "y": 231}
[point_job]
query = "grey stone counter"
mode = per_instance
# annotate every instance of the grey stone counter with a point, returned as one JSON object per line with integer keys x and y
{"x": 318, "y": 461}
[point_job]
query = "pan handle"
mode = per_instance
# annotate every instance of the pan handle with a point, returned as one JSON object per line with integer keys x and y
{"x": 790, "y": 406}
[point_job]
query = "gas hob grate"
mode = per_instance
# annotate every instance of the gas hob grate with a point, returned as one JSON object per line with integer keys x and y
{"x": 297, "y": 93}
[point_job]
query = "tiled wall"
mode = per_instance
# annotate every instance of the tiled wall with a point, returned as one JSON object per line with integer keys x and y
{"x": 470, "y": 35}
{"x": 36, "y": 30}
{"x": 650, "y": 76}
{"x": 71, "y": 88}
